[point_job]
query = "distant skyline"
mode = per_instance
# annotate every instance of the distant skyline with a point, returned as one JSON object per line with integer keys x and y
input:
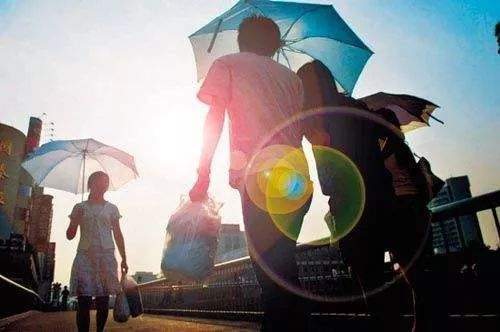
{"x": 123, "y": 72}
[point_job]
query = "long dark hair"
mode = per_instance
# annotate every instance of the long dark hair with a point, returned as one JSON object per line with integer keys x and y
{"x": 320, "y": 88}
{"x": 402, "y": 152}
{"x": 94, "y": 176}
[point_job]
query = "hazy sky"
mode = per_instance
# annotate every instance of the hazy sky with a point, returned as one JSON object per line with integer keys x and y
{"x": 123, "y": 73}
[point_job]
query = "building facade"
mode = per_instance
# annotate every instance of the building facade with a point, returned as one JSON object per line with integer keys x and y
{"x": 16, "y": 185}
{"x": 142, "y": 277}
{"x": 26, "y": 252}
{"x": 12, "y": 151}
{"x": 454, "y": 235}
{"x": 41, "y": 215}
{"x": 232, "y": 243}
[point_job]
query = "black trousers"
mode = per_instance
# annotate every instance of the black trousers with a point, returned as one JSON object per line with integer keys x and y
{"x": 410, "y": 243}
{"x": 402, "y": 227}
{"x": 363, "y": 250}
{"x": 83, "y": 312}
{"x": 272, "y": 252}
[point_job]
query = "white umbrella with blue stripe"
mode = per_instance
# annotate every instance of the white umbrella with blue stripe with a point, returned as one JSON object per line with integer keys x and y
{"x": 67, "y": 164}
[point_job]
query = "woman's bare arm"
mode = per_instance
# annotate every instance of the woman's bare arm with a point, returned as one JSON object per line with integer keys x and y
{"x": 75, "y": 219}
{"x": 120, "y": 243}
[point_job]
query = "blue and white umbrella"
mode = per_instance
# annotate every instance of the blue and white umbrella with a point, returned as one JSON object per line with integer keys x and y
{"x": 67, "y": 164}
{"x": 308, "y": 31}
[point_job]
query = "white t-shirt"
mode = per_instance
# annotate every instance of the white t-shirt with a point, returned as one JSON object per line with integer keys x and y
{"x": 258, "y": 94}
{"x": 96, "y": 224}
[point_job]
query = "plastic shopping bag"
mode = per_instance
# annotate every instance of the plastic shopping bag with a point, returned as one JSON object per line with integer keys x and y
{"x": 133, "y": 296}
{"x": 121, "y": 310}
{"x": 191, "y": 240}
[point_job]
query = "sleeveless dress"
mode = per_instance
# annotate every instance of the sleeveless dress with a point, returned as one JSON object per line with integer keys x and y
{"x": 95, "y": 269}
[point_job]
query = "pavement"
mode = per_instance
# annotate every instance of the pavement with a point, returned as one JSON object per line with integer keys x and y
{"x": 65, "y": 321}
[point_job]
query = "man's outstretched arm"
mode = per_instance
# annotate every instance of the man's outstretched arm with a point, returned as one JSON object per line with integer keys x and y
{"x": 212, "y": 130}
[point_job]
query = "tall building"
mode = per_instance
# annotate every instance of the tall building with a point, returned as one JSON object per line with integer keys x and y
{"x": 12, "y": 151}
{"x": 455, "y": 234}
{"x": 232, "y": 243}
{"x": 26, "y": 253}
{"x": 41, "y": 221}
{"x": 16, "y": 185}
{"x": 46, "y": 258}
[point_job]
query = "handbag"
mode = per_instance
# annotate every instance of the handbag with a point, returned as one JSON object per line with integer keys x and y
{"x": 121, "y": 310}
{"x": 133, "y": 296}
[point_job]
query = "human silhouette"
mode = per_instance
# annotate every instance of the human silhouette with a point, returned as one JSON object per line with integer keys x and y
{"x": 64, "y": 298}
{"x": 95, "y": 270}
{"x": 258, "y": 94}
{"x": 354, "y": 132}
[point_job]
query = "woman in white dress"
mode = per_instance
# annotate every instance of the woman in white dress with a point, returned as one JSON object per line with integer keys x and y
{"x": 95, "y": 270}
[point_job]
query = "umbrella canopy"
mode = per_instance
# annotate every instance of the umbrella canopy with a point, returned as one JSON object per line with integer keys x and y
{"x": 66, "y": 165}
{"x": 308, "y": 31}
{"x": 412, "y": 112}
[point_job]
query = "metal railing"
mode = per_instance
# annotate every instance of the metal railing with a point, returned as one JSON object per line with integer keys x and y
{"x": 232, "y": 286}
{"x": 16, "y": 298}
{"x": 468, "y": 206}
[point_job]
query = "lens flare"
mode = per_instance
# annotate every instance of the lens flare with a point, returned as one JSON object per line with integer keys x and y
{"x": 343, "y": 175}
{"x": 277, "y": 181}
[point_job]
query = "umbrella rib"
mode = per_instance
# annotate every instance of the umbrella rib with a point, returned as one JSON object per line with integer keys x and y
{"x": 52, "y": 168}
{"x": 105, "y": 170}
{"x": 291, "y": 49}
{"x": 438, "y": 120}
{"x": 334, "y": 39}
{"x": 234, "y": 14}
{"x": 121, "y": 162}
{"x": 76, "y": 147}
{"x": 299, "y": 18}
{"x": 256, "y": 7}
{"x": 287, "y": 60}
{"x": 239, "y": 12}
{"x": 216, "y": 32}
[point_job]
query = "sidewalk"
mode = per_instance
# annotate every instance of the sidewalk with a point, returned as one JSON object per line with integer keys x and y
{"x": 65, "y": 321}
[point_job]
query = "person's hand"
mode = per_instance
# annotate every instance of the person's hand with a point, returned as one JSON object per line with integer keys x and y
{"x": 200, "y": 188}
{"x": 124, "y": 267}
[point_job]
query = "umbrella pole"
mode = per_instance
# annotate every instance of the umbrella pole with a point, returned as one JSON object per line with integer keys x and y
{"x": 83, "y": 174}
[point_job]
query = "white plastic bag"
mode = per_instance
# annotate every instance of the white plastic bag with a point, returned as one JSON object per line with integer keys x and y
{"x": 191, "y": 240}
{"x": 121, "y": 310}
{"x": 133, "y": 296}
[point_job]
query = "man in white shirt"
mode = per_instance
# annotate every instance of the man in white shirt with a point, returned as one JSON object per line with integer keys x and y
{"x": 258, "y": 95}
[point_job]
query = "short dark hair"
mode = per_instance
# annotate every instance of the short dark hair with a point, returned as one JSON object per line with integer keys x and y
{"x": 259, "y": 34}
